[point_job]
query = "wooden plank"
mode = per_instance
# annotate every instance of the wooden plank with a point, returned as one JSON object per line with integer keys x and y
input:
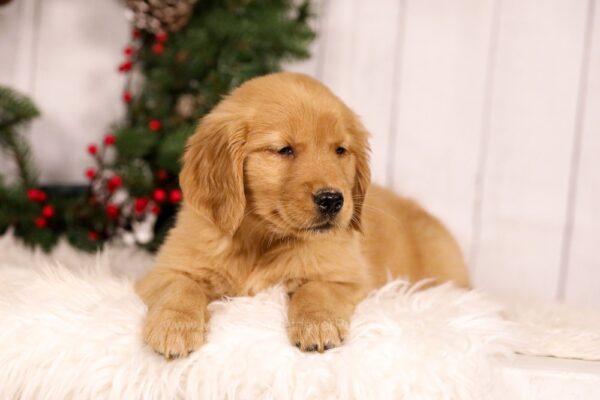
{"x": 441, "y": 95}
{"x": 9, "y": 38}
{"x": 18, "y": 45}
{"x": 313, "y": 65}
{"x": 77, "y": 85}
{"x": 9, "y": 22}
{"x": 19, "y": 36}
{"x": 581, "y": 285}
{"x": 541, "y": 378}
{"x": 531, "y": 129}
{"x": 358, "y": 65}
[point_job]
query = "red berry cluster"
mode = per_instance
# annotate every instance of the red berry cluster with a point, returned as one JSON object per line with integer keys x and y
{"x": 140, "y": 205}
{"x": 126, "y": 66}
{"x": 159, "y": 42}
{"x": 47, "y": 210}
{"x": 104, "y": 184}
{"x": 92, "y": 149}
{"x": 111, "y": 184}
{"x": 161, "y": 196}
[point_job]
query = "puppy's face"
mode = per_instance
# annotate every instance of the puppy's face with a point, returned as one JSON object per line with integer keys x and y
{"x": 284, "y": 149}
{"x": 300, "y": 169}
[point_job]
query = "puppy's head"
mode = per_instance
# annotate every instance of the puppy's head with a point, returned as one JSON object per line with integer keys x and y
{"x": 281, "y": 148}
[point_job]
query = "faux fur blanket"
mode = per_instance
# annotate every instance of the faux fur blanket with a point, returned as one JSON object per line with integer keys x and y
{"x": 70, "y": 328}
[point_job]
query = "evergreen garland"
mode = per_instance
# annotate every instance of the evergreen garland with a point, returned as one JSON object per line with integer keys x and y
{"x": 174, "y": 77}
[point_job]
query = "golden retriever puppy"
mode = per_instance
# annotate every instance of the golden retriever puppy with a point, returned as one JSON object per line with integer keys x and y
{"x": 276, "y": 187}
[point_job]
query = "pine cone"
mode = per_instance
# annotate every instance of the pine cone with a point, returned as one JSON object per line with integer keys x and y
{"x": 160, "y": 15}
{"x": 186, "y": 105}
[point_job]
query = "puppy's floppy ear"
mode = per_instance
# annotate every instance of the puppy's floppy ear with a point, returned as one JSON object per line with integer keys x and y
{"x": 362, "y": 177}
{"x": 212, "y": 177}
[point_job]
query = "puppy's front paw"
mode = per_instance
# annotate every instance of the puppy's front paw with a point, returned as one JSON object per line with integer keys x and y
{"x": 174, "y": 333}
{"x": 317, "y": 331}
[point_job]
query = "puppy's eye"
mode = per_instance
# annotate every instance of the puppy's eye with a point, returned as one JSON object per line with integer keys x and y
{"x": 340, "y": 150}
{"x": 286, "y": 151}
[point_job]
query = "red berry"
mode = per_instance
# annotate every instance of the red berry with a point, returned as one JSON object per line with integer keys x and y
{"x": 93, "y": 236}
{"x": 161, "y": 175}
{"x": 128, "y": 51}
{"x": 158, "y": 48}
{"x": 48, "y": 211}
{"x": 154, "y": 125}
{"x": 136, "y": 33}
{"x": 175, "y": 196}
{"x": 161, "y": 36}
{"x": 127, "y": 96}
{"x": 159, "y": 195}
{"x": 36, "y": 195}
{"x": 90, "y": 173}
{"x": 125, "y": 66}
{"x": 140, "y": 204}
{"x": 112, "y": 211}
{"x": 92, "y": 149}
{"x": 33, "y": 194}
{"x": 109, "y": 139}
{"x": 114, "y": 183}
{"x": 155, "y": 209}
{"x": 41, "y": 222}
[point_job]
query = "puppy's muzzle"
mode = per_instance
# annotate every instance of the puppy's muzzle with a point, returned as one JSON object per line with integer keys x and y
{"x": 328, "y": 202}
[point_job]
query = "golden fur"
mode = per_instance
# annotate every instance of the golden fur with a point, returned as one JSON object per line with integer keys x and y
{"x": 248, "y": 219}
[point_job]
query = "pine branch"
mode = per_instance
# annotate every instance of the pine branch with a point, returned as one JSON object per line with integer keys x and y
{"x": 15, "y": 111}
{"x": 15, "y": 108}
{"x": 16, "y": 146}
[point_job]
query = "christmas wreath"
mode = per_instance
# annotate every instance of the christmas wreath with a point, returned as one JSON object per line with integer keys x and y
{"x": 182, "y": 57}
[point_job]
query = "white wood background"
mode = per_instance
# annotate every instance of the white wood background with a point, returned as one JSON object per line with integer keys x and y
{"x": 487, "y": 111}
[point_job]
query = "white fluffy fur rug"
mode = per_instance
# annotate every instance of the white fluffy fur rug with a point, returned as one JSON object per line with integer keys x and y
{"x": 70, "y": 328}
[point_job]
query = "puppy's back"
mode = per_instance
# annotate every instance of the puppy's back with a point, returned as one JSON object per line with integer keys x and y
{"x": 403, "y": 240}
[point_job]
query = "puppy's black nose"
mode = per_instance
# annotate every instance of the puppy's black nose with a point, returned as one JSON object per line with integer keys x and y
{"x": 329, "y": 202}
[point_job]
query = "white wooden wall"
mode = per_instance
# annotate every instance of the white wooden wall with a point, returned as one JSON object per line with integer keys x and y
{"x": 487, "y": 111}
